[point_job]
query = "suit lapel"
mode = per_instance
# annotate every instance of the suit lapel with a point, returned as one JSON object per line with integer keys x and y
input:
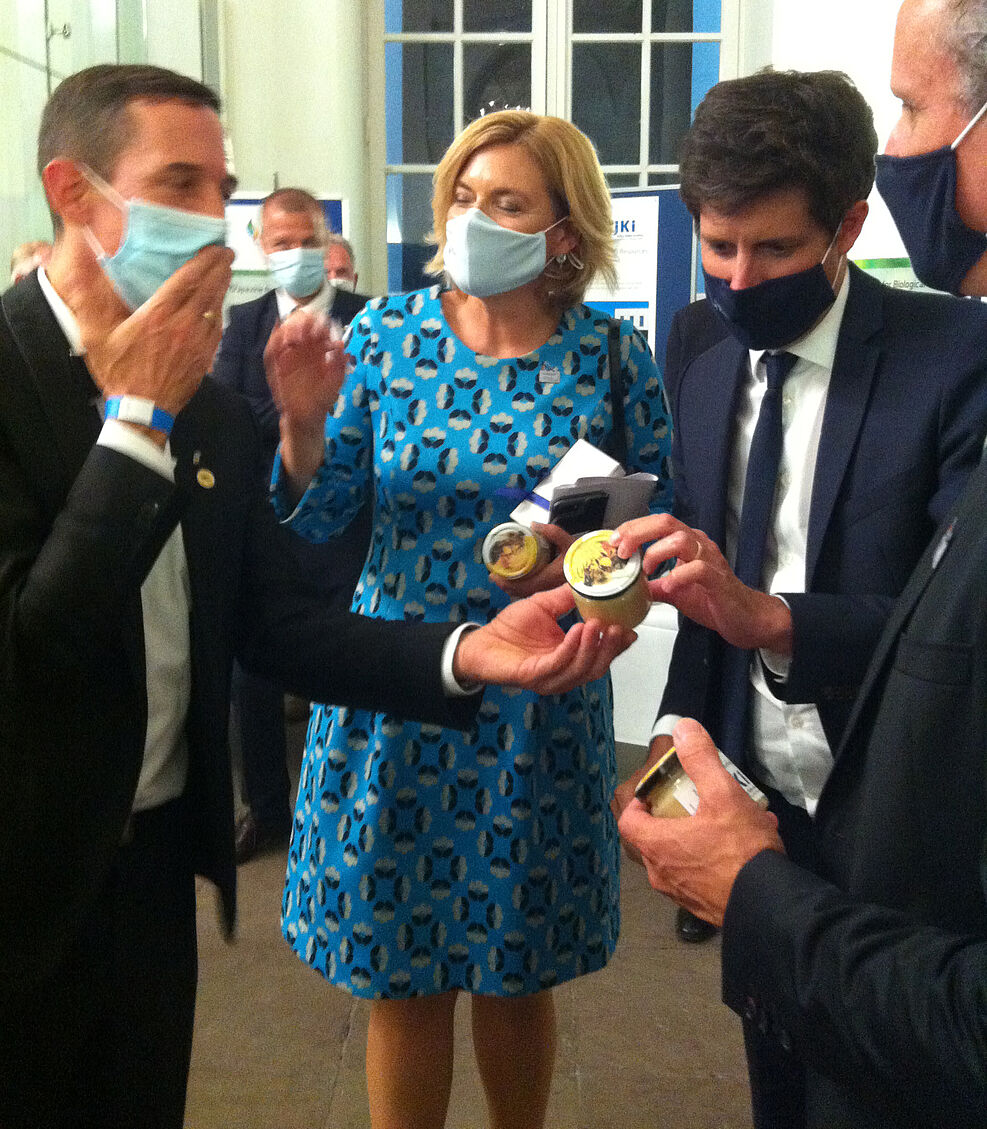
{"x": 854, "y": 366}
{"x": 63, "y": 386}
{"x": 708, "y": 416}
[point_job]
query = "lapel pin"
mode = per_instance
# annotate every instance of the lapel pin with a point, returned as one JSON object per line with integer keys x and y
{"x": 205, "y": 478}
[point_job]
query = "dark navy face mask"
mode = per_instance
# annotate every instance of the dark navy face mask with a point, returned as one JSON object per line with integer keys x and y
{"x": 775, "y": 312}
{"x": 920, "y": 193}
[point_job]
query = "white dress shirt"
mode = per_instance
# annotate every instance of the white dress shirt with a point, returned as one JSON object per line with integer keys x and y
{"x": 790, "y": 748}
{"x": 320, "y": 304}
{"x": 165, "y": 603}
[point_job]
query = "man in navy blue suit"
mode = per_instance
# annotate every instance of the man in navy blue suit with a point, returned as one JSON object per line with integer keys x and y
{"x": 295, "y": 242}
{"x": 882, "y": 406}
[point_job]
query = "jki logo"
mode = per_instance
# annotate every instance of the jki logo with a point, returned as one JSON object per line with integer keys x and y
{"x": 624, "y": 227}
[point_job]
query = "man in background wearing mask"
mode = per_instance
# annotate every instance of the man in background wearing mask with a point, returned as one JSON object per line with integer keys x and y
{"x": 341, "y": 265}
{"x": 137, "y": 554}
{"x": 804, "y": 544}
{"x": 870, "y": 968}
{"x": 292, "y": 235}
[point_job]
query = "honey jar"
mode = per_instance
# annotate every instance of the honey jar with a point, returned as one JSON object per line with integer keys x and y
{"x": 606, "y": 587}
{"x": 671, "y": 794}
{"x": 513, "y": 551}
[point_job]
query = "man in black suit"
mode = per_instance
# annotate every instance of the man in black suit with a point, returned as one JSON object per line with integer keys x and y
{"x": 292, "y": 235}
{"x": 137, "y": 554}
{"x": 871, "y": 970}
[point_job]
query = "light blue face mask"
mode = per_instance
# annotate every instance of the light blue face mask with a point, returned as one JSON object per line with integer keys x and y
{"x": 300, "y": 270}
{"x": 482, "y": 258}
{"x": 156, "y": 242}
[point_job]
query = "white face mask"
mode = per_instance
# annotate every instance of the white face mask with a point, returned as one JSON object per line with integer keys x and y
{"x": 482, "y": 258}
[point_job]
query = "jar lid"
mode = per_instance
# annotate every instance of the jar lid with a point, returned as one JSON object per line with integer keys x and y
{"x": 665, "y": 769}
{"x": 593, "y": 569}
{"x": 510, "y": 550}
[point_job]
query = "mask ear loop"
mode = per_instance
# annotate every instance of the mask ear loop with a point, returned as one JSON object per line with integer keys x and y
{"x": 970, "y": 124}
{"x": 114, "y": 198}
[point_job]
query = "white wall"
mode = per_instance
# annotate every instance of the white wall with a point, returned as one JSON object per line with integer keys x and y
{"x": 295, "y": 94}
{"x": 855, "y": 36}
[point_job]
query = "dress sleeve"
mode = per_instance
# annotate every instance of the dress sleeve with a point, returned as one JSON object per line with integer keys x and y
{"x": 646, "y": 416}
{"x": 340, "y": 485}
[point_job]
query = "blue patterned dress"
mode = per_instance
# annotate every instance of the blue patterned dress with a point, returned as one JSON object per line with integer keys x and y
{"x": 424, "y": 859}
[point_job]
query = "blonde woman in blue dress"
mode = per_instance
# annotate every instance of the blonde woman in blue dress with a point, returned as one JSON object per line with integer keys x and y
{"x": 429, "y": 862}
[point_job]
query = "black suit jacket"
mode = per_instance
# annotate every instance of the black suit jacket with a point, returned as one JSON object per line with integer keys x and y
{"x": 905, "y": 414}
{"x": 80, "y": 527}
{"x": 334, "y": 567}
{"x": 875, "y": 973}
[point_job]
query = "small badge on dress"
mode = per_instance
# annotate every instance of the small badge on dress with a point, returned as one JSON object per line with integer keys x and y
{"x": 549, "y": 374}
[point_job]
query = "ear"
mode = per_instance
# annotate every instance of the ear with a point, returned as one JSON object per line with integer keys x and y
{"x": 853, "y": 221}
{"x": 70, "y": 195}
{"x": 562, "y": 239}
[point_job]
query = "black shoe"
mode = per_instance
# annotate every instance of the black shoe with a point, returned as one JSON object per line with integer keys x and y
{"x": 692, "y": 929}
{"x": 253, "y": 838}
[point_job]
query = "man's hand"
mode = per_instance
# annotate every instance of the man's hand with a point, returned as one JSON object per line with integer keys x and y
{"x": 162, "y": 350}
{"x": 524, "y": 646}
{"x": 548, "y": 577}
{"x": 305, "y": 369}
{"x": 702, "y": 585}
{"x": 697, "y": 860}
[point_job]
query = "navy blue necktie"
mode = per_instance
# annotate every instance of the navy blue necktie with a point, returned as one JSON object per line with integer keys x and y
{"x": 752, "y": 535}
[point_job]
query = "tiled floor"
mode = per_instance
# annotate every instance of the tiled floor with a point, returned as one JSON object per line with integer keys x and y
{"x": 644, "y": 1043}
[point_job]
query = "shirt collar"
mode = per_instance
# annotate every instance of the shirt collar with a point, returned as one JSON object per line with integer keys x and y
{"x": 63, "y": 315}
{"x": 320, "y": 304}
{"x": 818, "y": 345}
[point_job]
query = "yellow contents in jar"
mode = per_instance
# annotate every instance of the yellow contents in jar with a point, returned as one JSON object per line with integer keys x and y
{"x": 606, "y": 587}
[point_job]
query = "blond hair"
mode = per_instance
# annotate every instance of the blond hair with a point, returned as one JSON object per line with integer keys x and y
{"x": 575, "y": 182}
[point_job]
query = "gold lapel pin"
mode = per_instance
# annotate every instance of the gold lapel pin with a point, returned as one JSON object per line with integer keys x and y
{"x": 205, "y": 478}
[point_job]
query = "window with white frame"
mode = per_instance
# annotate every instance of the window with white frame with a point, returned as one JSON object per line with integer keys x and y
{"x": 629, "y": 73}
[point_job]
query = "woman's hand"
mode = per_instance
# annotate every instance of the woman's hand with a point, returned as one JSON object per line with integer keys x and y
{"x": 548, "y": 577}
{"x": 305, "y": 369}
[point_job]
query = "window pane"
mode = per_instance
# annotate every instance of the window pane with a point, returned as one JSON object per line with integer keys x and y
{"x": 681, "y": 73}
{"x": 496, "y": 76}
{"x": 419, "y": 101}
{"x": 505, "y": 15}
{"x": 409, "y": 221}
{"x": 606, "y": 98}
{"x": 623, "y": 179}
{"x": 663, "y": 178}
{"x": 417, "y": 15}
{"x": 615, "y": 15}
{"x": 685, "y": 15}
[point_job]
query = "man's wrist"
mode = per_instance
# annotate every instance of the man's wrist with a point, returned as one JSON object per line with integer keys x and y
{"x": 777, "y": 627}
{"x": 455, "y": 683}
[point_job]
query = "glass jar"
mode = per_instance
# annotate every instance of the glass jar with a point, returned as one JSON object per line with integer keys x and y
{"x": 513, "y": 551}
{"x": 606, "y": 587}
{"x": 671, "y": 794}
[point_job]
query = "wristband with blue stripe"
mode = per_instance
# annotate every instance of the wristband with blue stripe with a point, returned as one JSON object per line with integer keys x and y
{"x": 137, "y": 409}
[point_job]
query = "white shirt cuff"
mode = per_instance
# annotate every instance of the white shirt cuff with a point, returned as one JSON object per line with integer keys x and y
{"x": 451, "y": 687}
{"x": 665, "y": 724}
{"x": 125, "y": 439}
{"x": 778, "y": 665}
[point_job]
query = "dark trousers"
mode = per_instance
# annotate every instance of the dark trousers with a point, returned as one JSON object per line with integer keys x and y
{"x": 105, "y": 1042}
{"x": 777, "y": 1077}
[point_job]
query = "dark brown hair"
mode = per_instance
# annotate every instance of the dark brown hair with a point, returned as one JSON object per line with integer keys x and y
{"x": 86, "y": 116}
{"x": 776, "y": 130}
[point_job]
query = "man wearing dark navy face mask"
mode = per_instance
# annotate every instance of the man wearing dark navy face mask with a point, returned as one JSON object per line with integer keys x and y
{"x": 872, "y": 970}
{"x": 819, "y": 440}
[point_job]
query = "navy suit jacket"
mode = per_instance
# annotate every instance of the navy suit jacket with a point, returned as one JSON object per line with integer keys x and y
{"x": 904, "y": 421}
